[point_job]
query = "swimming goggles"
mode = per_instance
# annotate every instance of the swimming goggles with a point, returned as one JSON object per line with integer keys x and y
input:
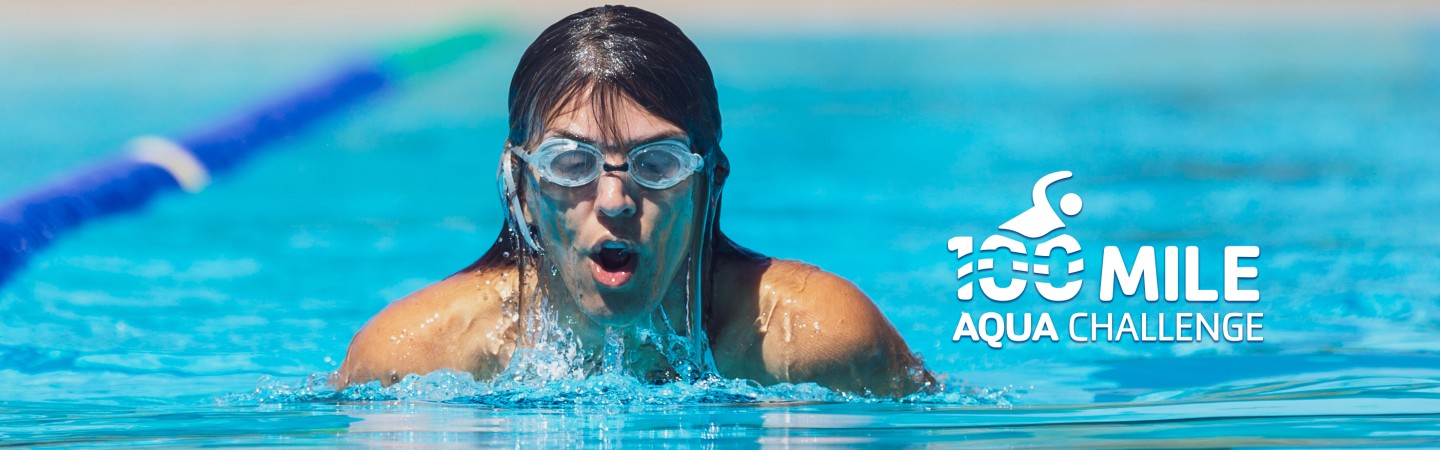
{"x": 571, "y": 163}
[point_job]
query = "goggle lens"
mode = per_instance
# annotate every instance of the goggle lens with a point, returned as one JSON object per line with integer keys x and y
{"x": 658, "y": 163}
{"x": 574, "y": 165}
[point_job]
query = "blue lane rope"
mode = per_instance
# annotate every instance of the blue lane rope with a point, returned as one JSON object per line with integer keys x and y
{"x": 154, "y": 165}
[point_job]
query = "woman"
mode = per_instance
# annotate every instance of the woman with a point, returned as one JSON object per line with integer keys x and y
{"x": 611, "y": 255}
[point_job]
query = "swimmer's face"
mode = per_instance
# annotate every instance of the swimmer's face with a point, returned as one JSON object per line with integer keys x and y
{"x": 619, "y": 246}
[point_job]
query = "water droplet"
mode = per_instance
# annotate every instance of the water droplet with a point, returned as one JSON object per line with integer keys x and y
{"x": 785, "y": 326}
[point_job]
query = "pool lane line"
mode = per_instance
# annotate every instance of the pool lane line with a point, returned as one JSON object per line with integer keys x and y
{"x": 152, "y": 165}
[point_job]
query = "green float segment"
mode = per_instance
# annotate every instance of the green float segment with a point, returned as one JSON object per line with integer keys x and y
{"x": 406, "y": 63}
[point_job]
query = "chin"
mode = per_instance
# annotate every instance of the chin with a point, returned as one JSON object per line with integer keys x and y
{"x": 614, "y": 312}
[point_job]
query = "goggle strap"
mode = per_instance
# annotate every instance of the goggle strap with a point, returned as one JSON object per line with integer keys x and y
{"x": 511, "y": 191}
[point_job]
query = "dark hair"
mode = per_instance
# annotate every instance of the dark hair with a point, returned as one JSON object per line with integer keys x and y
{"x": 617, "y": 53}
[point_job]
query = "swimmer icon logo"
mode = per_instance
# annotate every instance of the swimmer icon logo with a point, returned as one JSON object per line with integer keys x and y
{"x": 1035, "y": 223}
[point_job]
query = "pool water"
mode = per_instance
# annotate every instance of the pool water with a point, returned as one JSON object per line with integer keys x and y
{"x": 211, "y": 319}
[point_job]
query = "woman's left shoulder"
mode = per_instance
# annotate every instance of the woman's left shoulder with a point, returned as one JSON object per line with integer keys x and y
{"x": 816, "y": 299}
{"x": 823, "y": 328}
{"x": 807, "y": 286}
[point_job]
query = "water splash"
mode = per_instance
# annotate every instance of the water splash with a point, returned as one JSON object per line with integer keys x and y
{"x": 605, "y": 389}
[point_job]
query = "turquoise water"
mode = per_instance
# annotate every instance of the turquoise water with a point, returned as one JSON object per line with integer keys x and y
{"x": 203, "y": 319}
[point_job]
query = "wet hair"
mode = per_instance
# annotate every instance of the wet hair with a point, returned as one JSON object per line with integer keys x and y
{"x": 614, "y": 54}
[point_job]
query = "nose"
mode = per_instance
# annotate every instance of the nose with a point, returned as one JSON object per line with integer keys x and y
{"x": 611, "y": 199}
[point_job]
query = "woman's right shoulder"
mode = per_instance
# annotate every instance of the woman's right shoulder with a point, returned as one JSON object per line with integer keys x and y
{"x": 457, "y": 323}
{"x": 470, "y": 293}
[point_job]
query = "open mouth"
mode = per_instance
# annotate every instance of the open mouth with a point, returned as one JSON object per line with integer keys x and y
{"x": 614, "y": 264}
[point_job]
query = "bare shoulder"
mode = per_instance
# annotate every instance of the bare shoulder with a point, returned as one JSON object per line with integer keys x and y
{"x": 457, "y": 323}
{"x": 822, "y": 317}
{"x": 811, "y": 325}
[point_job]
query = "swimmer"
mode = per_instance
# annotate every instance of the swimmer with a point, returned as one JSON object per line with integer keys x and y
{"x": 611, "y": 179}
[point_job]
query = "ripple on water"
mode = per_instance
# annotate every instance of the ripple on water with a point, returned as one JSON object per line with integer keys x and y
{"x": 606, "y": 389}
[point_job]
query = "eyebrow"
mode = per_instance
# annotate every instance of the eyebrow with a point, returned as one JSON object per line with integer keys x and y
{"x": 632, "y": 143}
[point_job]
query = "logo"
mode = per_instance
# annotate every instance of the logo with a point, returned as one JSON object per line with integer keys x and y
{"x": 1037, "y": 222}
{"x": 1056, "y": 269}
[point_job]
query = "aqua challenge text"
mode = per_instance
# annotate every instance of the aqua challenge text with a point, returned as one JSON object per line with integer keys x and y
{"x": 1040, "y": 226}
